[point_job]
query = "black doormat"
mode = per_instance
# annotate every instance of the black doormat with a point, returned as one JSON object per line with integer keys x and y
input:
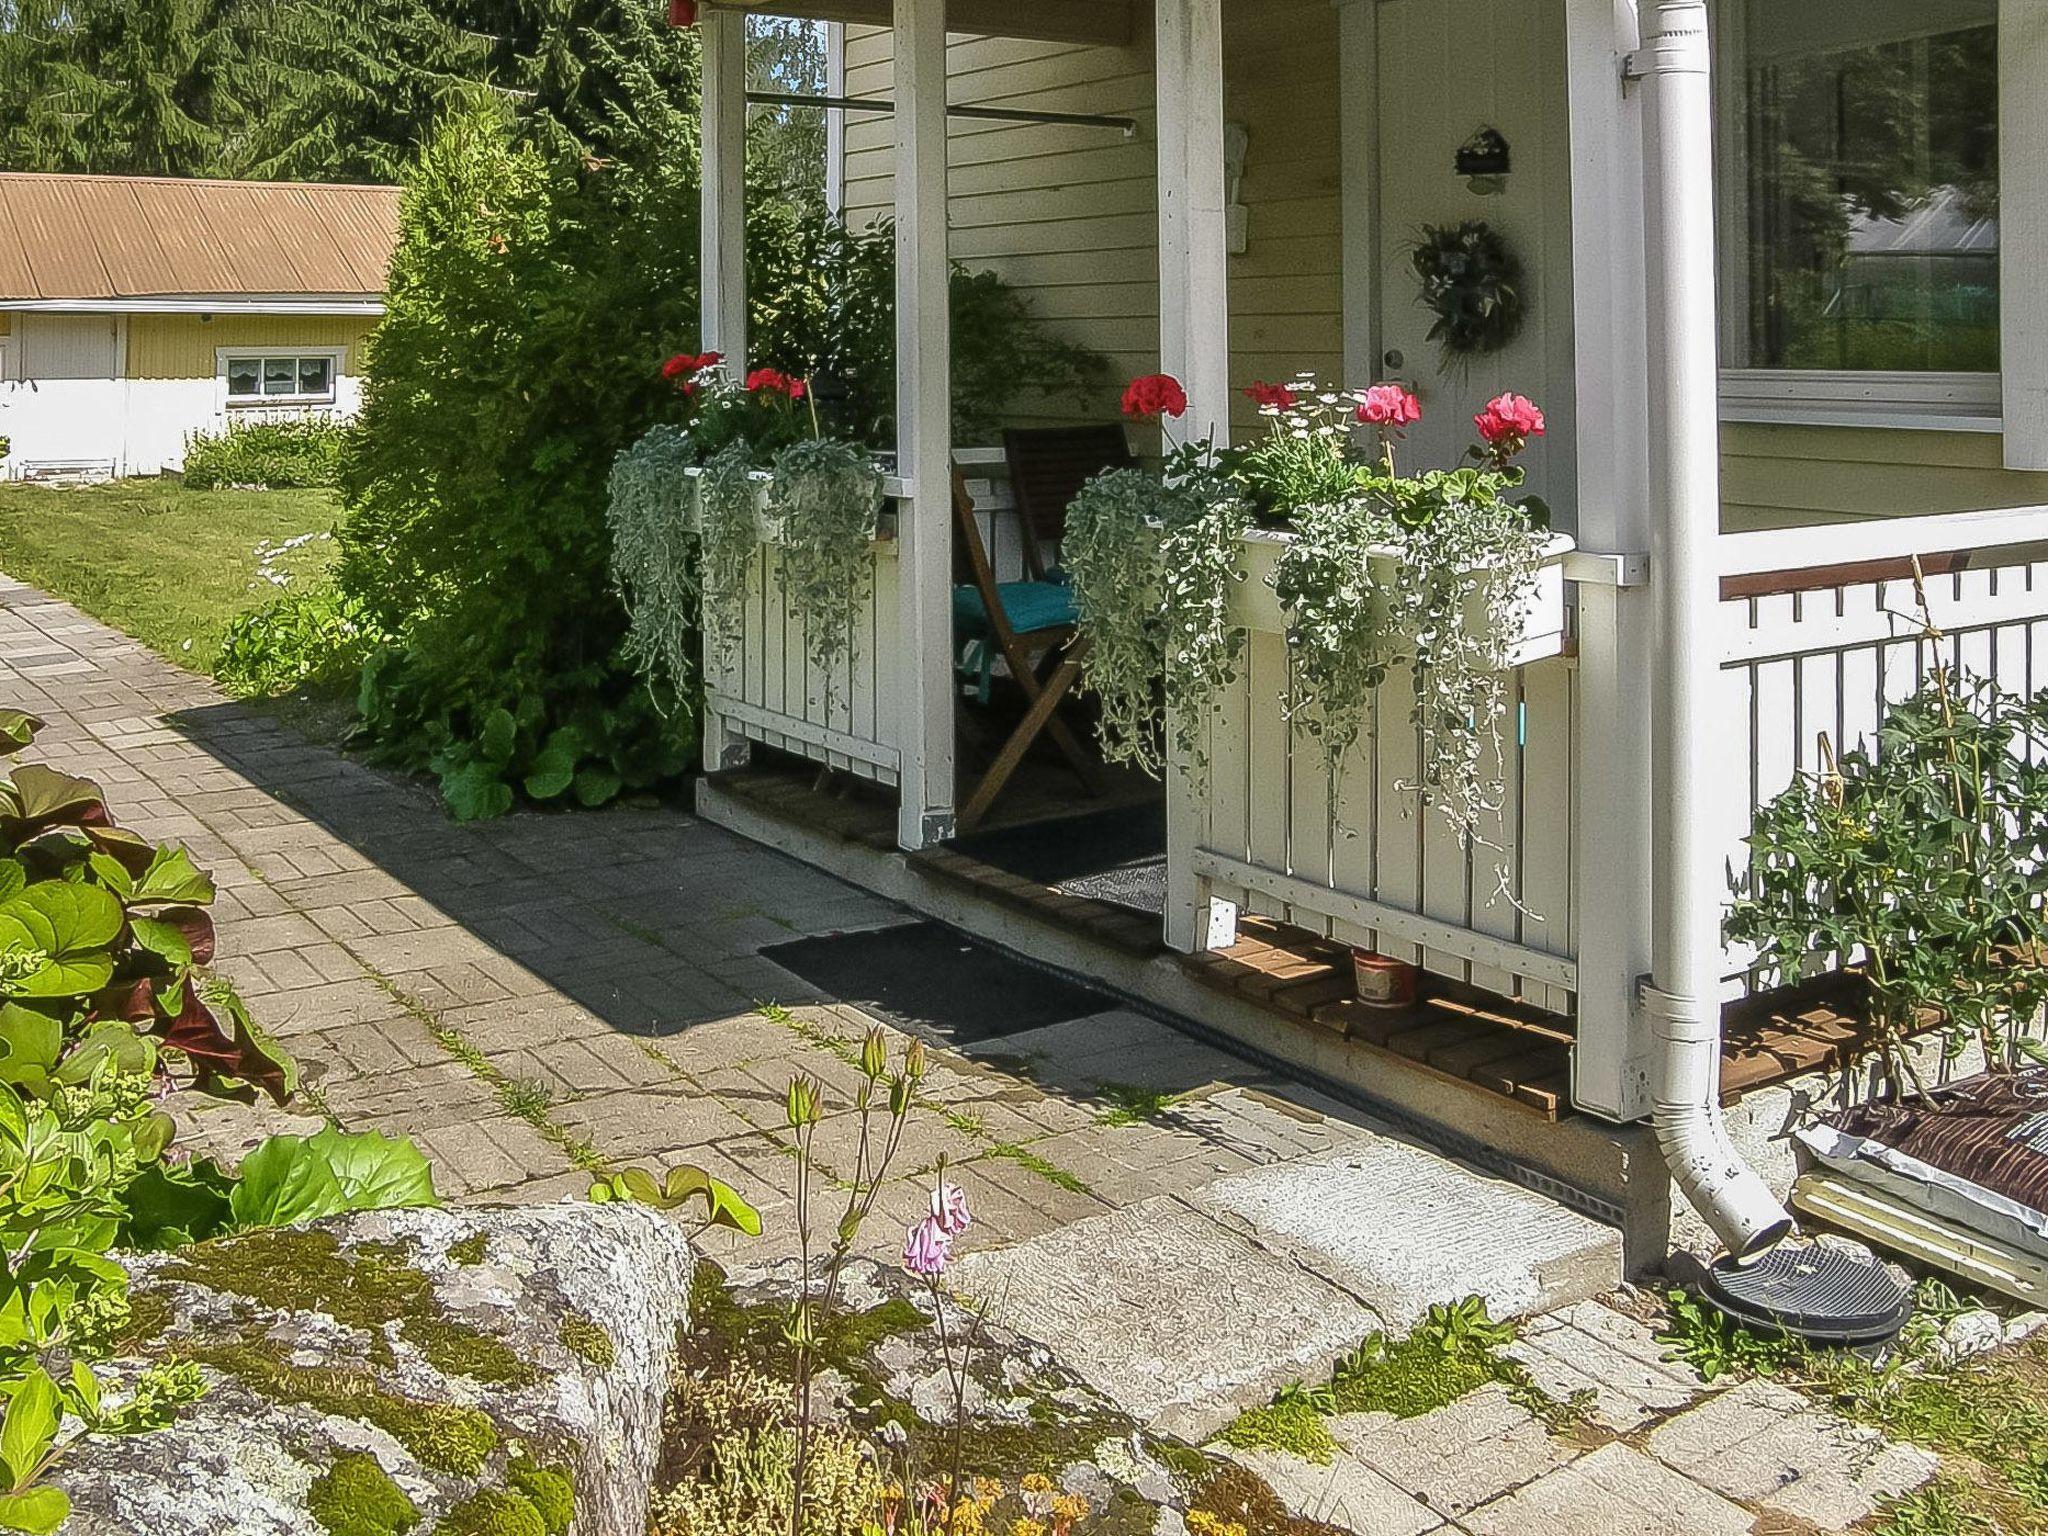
{"x": 1116, "y": 855}
{"x": 937, "y": 982}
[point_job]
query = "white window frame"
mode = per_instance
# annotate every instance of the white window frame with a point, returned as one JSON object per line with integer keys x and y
{"x": 334, "y": 355}
{"x": 1947, "y": 402}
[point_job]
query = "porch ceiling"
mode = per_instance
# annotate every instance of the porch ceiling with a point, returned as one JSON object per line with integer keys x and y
{"x": 1056, "y": 21}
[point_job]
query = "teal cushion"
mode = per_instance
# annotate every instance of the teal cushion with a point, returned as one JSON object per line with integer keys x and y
{"x": 1031, "y": 606}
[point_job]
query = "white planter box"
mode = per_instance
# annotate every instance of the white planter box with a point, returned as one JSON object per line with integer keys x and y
{"x": 1255, "y": 605}
{"x": 767, "y": 528}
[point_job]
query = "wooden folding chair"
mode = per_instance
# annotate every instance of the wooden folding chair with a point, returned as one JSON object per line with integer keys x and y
{"x": 1048, "y": 467}
{"x": 1033, "y": 626}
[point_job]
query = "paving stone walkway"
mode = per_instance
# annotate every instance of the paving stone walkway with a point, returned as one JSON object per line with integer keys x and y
{"x": 538, "y": 997}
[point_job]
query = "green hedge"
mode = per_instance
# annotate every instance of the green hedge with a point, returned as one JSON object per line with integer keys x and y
{"x": 270, "y": 455}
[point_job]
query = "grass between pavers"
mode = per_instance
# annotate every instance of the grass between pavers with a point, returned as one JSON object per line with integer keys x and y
{"x": 1132, "y": 1105}
{"x": 1986, "y": 1416}
{"x": 1455, "y": 1350}
{"x": 169, "y": 566}
{"x": 966, "y": 1122}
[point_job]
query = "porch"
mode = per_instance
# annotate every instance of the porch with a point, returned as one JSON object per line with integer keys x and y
{"x": 1629, "y": 786}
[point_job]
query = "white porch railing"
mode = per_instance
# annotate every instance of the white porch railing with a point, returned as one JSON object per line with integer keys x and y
{"x": 1819, "y": 634}
{"x": 765, "y": 688}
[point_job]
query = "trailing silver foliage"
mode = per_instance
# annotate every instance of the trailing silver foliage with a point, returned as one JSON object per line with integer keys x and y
{"x": 826, "y": 495}
{"x": 654, "y": 557}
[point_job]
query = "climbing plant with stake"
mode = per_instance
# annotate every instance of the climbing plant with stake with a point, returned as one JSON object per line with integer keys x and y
{"x": 1922, "y": 864}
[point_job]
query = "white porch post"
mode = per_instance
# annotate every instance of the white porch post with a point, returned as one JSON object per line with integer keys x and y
{"x": 1683, "y": 997}
{"x": 722, "y": 276}
{"x": 1610, "y": 1066}
{"x": 924, "y": 423}
{"x": 1194, "y": 346}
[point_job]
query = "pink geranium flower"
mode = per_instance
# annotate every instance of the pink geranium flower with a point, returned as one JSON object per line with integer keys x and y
{"x": 1389, "y": 406}
{"x": 1508, "y": 422}
{"x": 928, "y": 1249}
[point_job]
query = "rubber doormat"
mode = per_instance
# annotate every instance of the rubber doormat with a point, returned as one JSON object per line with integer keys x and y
{"x": 937, "y": 982}
{"x": 1115, "y": 855}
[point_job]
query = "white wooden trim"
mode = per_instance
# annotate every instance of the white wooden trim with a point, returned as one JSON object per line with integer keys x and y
{"x": 221, "y": 357}
{"x": 724, "y": 235}
{"x": 1362, "y": 912}
{"x": 1935, "y": 402}
{"x": 1791, "y": 549}
{"x": 924, "y": 416}
{"x": 824, "y": 738}
{"x": 2023, "y": 229}
{"x": 835, "y": 120}
{"x": 1359, "y": 157}
{"x": 201, "y": 304}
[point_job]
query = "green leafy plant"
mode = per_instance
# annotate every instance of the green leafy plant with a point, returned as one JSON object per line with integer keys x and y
{"x": 679, "y": 1189}
{"x": 825, "y": 497}
{"x": 318, "y": 638}
{"x": 1920, "y": 864}
{"x": 652, "y": 516}
{"x": 268, "y": 455}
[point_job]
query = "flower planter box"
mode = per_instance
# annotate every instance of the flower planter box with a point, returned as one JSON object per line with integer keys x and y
{"x": 767, "y": 527}
{"x": 1256, "y": 606}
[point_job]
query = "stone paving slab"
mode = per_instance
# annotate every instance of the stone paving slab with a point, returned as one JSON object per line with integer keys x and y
{"x": 1766, "y": 1444}
{"x": 1606, "y": 1359}
{"x": 1346, "y": 1493}
{"x": 1402, "y": 1227}
{"x": 1460, "y": 1456}
{"x": 1615, "y": 1491}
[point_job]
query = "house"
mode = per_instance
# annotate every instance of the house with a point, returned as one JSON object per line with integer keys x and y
{"x": 1788, "y": 347}
{"x": 136, "y": 311}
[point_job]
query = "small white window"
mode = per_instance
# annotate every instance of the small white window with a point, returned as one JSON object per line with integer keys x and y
{"x": 1859, "y": 196}
{"x": 279, "y": 378}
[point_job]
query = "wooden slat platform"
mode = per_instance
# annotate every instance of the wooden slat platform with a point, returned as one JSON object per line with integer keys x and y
{"x": 1511, "y": 1049}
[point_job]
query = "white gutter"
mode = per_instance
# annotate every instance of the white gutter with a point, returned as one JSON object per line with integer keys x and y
{"x": 200, "y": 304}
{"x": 1682, "y": 997}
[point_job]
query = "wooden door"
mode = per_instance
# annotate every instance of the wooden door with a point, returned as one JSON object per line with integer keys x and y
{"x": 1448, "y": 69}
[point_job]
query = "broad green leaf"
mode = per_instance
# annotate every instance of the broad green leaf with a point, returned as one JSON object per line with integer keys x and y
{"x": 376, "y": 1172}
{"x": 113, "y": 874}
{"x": 30, "y": 1426}
{"x": 475, "y": 792}
{"x": 13, "y": 1117}
{"x": 173, "y": 877}
{"x": 70, "y": 926}
{"x": 35, "y": 1511}
{"x": 554, "y": 770}
{"x": 168, "y": 1207}
{"x": 17, "y": 729}
{"x": 109, "y": 1041}
{"x": 500, "y": 734}
{"x": 161, "y": 939}
{"x": 13, "y": 878}
{"x": 48, "y": 798}
{"x": 723, "y": 1205}
{"x": 30, "y": 1044}
{"x": 596, "y": 786}
{"x": 284, "y": 1182}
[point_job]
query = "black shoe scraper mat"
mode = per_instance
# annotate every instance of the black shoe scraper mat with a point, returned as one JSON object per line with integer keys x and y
{"x": 1116, "y": 855}
{"x": 937, "y": 982}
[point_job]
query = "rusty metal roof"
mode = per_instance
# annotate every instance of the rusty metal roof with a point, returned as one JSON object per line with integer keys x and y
{"x": 100, "y": 238}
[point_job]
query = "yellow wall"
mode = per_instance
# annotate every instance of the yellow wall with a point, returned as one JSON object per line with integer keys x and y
{"x": 182, "y": 346}
{"x": 1069, "y": 214}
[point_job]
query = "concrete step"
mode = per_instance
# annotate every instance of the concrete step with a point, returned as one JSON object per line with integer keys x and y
{"x": 1186, "y": 1309}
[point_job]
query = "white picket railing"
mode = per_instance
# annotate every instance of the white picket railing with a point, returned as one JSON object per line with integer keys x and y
{"x": 765, "y": 688}
{"x": 1822, "y": 632}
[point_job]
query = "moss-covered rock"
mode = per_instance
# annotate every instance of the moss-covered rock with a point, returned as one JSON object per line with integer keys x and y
{"x": 403, "y": 1373}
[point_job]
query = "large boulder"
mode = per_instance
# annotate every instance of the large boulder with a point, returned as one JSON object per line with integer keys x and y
{"x": 474, "y": 1372}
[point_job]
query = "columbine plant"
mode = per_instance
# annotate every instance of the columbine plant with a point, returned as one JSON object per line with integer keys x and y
{"x": 883, "y": 1103}
{"x": 1429, "y": 571}
{"x": 745, "y": 449}
{"x": 927, "y": 1251}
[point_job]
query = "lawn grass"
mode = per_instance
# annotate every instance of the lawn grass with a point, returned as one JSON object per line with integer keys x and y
{"x": 169, "y": 566}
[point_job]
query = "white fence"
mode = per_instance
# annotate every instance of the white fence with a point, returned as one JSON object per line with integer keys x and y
{"x": 766, "y": 688}
{"x": 1820, "y": 633}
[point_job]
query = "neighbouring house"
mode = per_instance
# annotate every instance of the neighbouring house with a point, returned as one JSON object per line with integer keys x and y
{"x": 1781, "y": 265}
{"x": 136, "y": 311}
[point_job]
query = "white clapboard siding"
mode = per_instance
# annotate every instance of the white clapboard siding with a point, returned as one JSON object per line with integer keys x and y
{"x": 1819, "y": 636}
{"x": 765, "y": 686}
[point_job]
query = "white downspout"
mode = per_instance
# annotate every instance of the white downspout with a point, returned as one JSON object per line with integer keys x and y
{"x": 1681, "y": 999}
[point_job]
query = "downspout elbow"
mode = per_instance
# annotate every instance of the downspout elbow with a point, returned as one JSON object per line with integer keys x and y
{"x": 1730, "y": 1196}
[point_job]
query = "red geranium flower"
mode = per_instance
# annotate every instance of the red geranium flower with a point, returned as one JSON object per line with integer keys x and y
{"x": 1389, "y": 405}
{"x": 682, "y": 13}
{"x": 1273, "y": 397}
{"x": 773, "y": 381}
{"x": 1156, "y": 394}
{"x": 1508, "y": 422}
{"x": 685, "y": 366}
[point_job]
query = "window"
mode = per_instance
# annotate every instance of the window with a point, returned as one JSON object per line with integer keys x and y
{"x": 280, "y": 378}
{"x": 1860, "y": 195}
